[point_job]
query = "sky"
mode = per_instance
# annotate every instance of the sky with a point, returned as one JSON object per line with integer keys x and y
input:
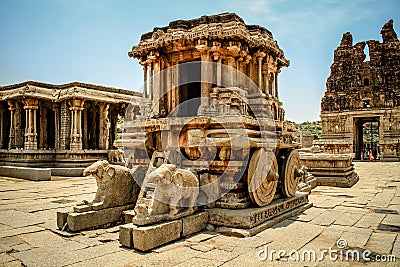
{"x": 61, "y": 41}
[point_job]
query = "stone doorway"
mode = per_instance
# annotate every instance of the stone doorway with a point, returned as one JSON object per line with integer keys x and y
{"x": 189, "y": 91}
{"x": 367, "y": 138}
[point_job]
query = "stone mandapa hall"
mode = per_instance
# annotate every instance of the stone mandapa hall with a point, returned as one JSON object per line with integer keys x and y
{"x": 62, "y": 127}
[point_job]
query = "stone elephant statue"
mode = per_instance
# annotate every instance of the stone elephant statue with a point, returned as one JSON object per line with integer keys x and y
{"x": 116, "y": 156}
{"x": 115, "y": 185}
{"x": 176, "y": 187}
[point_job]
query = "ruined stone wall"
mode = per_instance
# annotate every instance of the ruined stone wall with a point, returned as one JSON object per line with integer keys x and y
{"x": 358, "y": 90}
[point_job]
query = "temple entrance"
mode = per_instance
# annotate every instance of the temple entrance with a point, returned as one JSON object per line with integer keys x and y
{"x": 189, "y": 91}
{"x": 367, "y": 139}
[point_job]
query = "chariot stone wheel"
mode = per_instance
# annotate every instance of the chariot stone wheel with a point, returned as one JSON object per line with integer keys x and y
{"x": 262, "y": 177}
{"x": 290, "y": 173}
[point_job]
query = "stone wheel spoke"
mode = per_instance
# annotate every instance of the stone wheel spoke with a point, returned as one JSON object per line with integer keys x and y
{"x": 290, "y": 176}
{"x": 262, "y": 177}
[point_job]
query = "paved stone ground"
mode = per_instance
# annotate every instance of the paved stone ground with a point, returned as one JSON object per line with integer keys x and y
{"x": 357, "y": 215}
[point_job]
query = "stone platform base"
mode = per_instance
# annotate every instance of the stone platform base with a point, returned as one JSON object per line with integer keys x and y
{"x": 77, "y": 221}
{"x": 339, "y": 181}
{"x": 248, "y": 222}
{"x": 33, "y": 174}
{"x": 67, "y": 172}
{"x": 238, "y": 232}
{"x": 145, "y": 238}
{"x": 331, "y": 169}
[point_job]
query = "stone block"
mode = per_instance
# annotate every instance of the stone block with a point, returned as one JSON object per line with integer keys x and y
{"x": 61, "y": 219}
{"x": 33, "y": 174}
{"x": 194, "y": 223}
{"x": 86, "y": 220}
{"x": 126, "y": 235}
{"x": 146, "y": 238}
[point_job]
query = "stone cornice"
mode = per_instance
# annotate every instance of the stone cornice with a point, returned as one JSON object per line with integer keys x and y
{"x": 62, "y": 92}
{"x": 211, "y": 28}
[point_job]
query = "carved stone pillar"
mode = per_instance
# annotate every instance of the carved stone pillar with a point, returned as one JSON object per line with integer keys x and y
{"x": 219, "y": 71}
{"x": 86, "y": 122}
{"x": 104, "y": 127}
{"x": 260, "y": 55}
{"x": 76, "y": 107}
{"x": 229, "y": 74}
{"x": 144, "y": 80}
{"x": 175, "y": 85}
{"x": 65, "y": 125}
{"x": 19, "y": 136}
{"x": 56, "y": 109}
{"x": 1, "y": 125}
{"x": 206, "y": 76}
{"x": 30, "y": 106}
{"x": 276, "y": 84}
{"x": 43, "y": 127}
{"x": 157, "y": 86}
{"x": 151, "y": 81}
{"x": 266, "y": 78}
{"x": 11, "y": 142}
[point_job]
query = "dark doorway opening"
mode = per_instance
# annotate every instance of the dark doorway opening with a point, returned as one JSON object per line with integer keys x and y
{"x": 189, "y": 91}
{"x": 6, "y": 128}
{"x": 93, "y": 122}
{"x": 51, "y": 129}
{"x": 367, "y": 139}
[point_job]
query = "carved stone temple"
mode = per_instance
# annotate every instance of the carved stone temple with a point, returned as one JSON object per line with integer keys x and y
{"x": 212, "y": 112}
{"x": 361, "y": 106}
{"x": 63, "y": 128}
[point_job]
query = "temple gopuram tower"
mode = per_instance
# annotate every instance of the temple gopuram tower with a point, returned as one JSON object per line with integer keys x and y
{"x": 361, "y": 106}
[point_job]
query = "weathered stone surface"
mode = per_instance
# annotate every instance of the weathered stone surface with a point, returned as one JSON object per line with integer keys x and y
{"x": 331, "y": 169}
{"x": 126, "y": 235}
{"x": 67, "y": 172}
{"x": 173, "y": 191}
{"x": 115, "y": 185}
{"x": 61, "y": 219}
{"x": 251, "y": 217}
{"x": 240, "y": 232}
{"x": 148, "y": 237}
{"x": 359, "y": 91}
{"x": 85, "y": 220}
{"x": 381, "y": 243}
{"x": 348, "y": 219}
{"x": 194, "y": 223}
